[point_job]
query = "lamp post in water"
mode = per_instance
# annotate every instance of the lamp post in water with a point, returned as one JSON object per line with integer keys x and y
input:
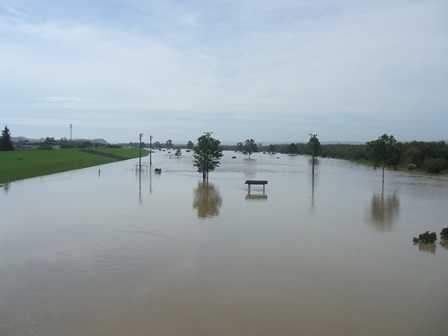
{"x": 150, "y": 150}
{"x": 140, "y": 153}
{"x": 313, "y": 140}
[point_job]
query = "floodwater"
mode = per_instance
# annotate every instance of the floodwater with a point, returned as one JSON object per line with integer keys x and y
{"x": 109, "y": 251}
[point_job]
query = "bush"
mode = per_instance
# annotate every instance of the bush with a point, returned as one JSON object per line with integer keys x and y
{"x": 411, "y": 166}
{"x": 434, "y": 165}
{"x": 427, "y": 238}
{"x": 444, "y": 233}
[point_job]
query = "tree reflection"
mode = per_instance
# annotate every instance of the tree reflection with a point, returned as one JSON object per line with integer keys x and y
{"x": 384, "y": 211}
{"x": 207, "y": 200}
{"x": 428, "y": 248}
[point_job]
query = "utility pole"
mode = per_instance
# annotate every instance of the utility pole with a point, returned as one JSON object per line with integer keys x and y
{"x": 140, "y": 153}
{"x": 71, "y": 126}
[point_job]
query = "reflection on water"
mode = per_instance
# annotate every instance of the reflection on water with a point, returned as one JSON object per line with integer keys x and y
{"x": 5, "y": 186}
{"x": 384, "y": 210}
{"x": 444, "y": 244}
{"x": 313, "y": 181}
{"x": 250, "y": 196}
{"x": 428, "y": 248}
{"x": 207, "y": 200}
{"x": 432, "y": 248}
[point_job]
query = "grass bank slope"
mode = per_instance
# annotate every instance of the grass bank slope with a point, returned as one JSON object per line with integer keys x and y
{"x": 18, "y": 165}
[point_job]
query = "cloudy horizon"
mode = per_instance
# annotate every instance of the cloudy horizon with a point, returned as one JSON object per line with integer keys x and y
{"x": 270, "y": 71}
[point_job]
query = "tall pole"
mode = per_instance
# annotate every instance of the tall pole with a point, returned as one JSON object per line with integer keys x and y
{"x": 71, "y": 132}
{"x": 150, "y": 150}
{"x": 140, "y": 153}
{"x": 313, "y": 140}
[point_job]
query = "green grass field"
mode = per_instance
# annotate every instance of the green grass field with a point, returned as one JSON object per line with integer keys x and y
{"x": 18, "y": 165}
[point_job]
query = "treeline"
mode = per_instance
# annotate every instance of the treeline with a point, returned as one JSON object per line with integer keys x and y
{"x": 431, "y": 157}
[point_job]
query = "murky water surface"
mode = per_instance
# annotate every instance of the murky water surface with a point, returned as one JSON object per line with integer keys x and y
{"x": 111, "y": 252}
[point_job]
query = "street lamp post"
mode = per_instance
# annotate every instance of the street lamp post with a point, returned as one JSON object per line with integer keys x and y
{"x": 140, "y": 153}
{"x": 313, "y": 140}
{"x": 150, "y": 150}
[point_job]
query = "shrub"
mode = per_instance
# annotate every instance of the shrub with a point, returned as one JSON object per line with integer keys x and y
{"x": 427, "y": 238}
{"x": 411, "y": 166}
{"x": 444, "y": 233}
{"x": 434, "y": 165}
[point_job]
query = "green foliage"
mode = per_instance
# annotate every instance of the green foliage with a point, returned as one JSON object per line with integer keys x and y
{"x": 444, "y": 233}
{"x": 427, "y": 238}
{"x": 384, "y": 152}
{"x": 293, "y": 149}
{"x": 417, "y": 152}
{"x": 345, "y": 151}
{"x": 249, "y": 147}
{"x": 409, "y": 155}
{"x": 190, "y": 145}
{"x": 207, "y": 154}
{"x": 5, "y": 140}
{"x": 411, "y": 166}
{"x": 434, "y": 165}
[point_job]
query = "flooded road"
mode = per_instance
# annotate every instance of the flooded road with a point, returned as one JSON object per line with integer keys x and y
{"x": 83, "y": 253}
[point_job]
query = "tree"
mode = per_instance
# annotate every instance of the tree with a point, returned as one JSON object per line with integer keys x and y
{"x": 5, "y": 140}
{"x": 157, "y": 145}
{"x": 434, "y": 165}
{"x": 169, "y": 144}
{"x": 292, "y": 149}
{"x": 249, "y": 147}
{"x": 190, "y": 145}
{"x": 178, "y": 153}
{"x": 239, "y": 146}
{"x": 384, "y": 152}
{"x": 207, "y": 154}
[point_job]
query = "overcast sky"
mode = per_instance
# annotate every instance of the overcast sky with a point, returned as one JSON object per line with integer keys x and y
{"x": 261, "y": 69}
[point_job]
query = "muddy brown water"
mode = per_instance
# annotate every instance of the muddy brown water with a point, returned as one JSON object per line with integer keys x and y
{"x": 109, "y": 251}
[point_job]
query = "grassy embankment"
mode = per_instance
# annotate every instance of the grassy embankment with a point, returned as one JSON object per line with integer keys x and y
{"x": 18, "y": 165}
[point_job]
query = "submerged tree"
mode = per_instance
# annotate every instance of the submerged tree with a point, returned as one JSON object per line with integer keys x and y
{"x": 384, "y": 152}
{"x": 249, "y": 147}
{"x": 207, "y": 154}
{"x": 239, "y": 146}
{"x": 5, "y": 140}
{"x": 293, "y": 149}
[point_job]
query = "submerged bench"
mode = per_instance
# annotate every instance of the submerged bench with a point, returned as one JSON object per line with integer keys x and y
{"x": 258, "y": 182}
